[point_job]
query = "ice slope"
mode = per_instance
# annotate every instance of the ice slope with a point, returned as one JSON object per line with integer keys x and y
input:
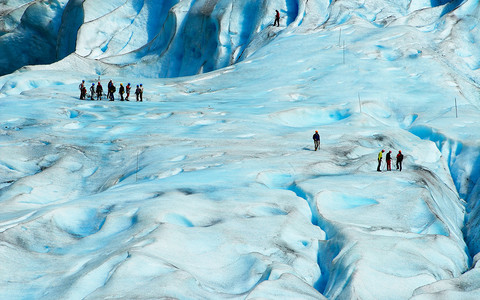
{"x": 210, "y": 189}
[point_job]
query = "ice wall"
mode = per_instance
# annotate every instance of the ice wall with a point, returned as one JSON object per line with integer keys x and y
{"x": 180, "y": 37}
{"x": 176, "y": 38}
{"x": 184, "y": 37}
{"x": 31, "y": 30}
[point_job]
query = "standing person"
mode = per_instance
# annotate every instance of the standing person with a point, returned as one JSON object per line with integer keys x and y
{"x": 99, "y": 91}
{"x": 399, "y": 160}
{"x": 112, "y": 90}
{"x": 81, "y": 87}
{"x": 121, "y": 90}
{"x": 380, "y": 155}
{"x": 141, "y": 92}
{"x": 109, "y": 89}
{"x": 277, "y": 18}
{"x": 128, "y": 87}
{"x": 389, "y": 160}
{"x": 137, "y": 92}
{"x": 316, "y": 140}
{"x": 92, "y": 91}
{"x": 84, "y": 91}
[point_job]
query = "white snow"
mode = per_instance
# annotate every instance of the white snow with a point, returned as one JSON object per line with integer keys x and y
{"x": 210, "y": 188}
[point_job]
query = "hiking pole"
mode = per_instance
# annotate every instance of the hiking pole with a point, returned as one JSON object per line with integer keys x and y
{"x": 456, "y": 109}
{"x": 359, "y": 103}
{"x": 339, "y": 37}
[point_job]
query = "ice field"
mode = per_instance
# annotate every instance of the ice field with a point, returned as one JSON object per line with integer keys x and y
{"x": 211, "y": 188}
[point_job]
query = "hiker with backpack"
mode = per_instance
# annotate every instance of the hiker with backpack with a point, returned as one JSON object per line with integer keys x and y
{"x": 83, "y": 90}
{"x": 399, "y": 160}
{"x": 389, "y": 160}
{"x": 109, "y": 89}
{"x": 112, "y": 90}
{"x": 137, "y": 92}
{"x": 99, "y": 91}
{"x": 128, "y": 87}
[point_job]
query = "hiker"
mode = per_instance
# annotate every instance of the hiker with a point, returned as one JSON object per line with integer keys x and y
{"x": 109, "y": 88}
{"x": 277, "y": 18}
{"x": 112, "y": 90}
{"x": 121, "y": 90}
{"x": 137, "y": 92}
{"x": 399, "y": 160}
{"x": 141, "y": 92}
{"x": 389, "y": 160}
{"x": 83, "y": 90}
{"x": 99, "y": 91}
{"x": 92, "y": 91}
{"x": 380, "y": 155}
{"x": 316, "y": 140}
{"x": 128, "y": 87}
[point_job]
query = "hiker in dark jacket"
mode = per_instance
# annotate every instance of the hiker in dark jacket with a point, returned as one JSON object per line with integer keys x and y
{"x": 92, "y": 91}
{"x": 99, "y": 91}
{"x": 109, "y": 89}
{"x": 137, "y": 93}
{"x": 399, "y": 160}
{"x": 112, "y": 90}
{"x": 316, "y": 140}
{"x": 277, "y": 18}
{"x": 121, "y": 90}
{"x": 389, "y": 160}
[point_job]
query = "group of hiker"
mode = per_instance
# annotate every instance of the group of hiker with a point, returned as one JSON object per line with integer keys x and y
{"x": 111, "y": 89}
{"x": 388, "y": 158}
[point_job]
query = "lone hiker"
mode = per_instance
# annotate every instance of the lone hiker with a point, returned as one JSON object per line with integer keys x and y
{"x": 316, "y": 140}
{"x": 380, "y": 155}
{"x": 389, "y": 160}
{"x": 399, "y": 160}
{"x": 277, "y": 18}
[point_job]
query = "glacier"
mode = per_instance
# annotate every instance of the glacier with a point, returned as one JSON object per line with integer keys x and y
{"x": 211, "y": 188}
